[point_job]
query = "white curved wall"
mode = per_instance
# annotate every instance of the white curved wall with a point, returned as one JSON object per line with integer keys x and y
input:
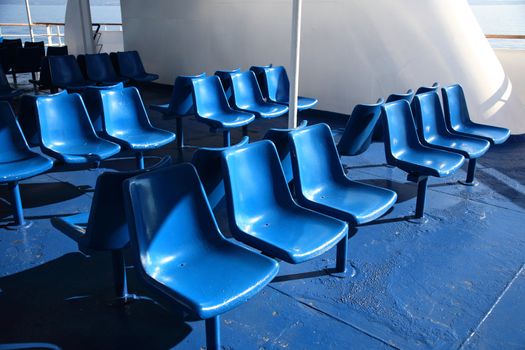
{"x": 353, "y": 51}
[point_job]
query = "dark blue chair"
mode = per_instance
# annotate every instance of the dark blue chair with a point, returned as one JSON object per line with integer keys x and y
{"x": 188, "y": 259}
{"x": 404, "y": 150}
{"x": 66, "y": 74}
{"x": 126, "y": 122}
{"x": 213, "y": 109}
{"x": 458, "y": 120}
{"x": 44, "y": 81}
{"x": 57, "y": 51}
{"x": 247, "y": 97}
{"x": 359, "y": 129}
{"x": 66, "y": 133}
{"x": 263, "y": 214}
{"x": 93, "y": 103}
{"x": 207, "y": 161}
{"x": 98, "y": 68}
{"x": 180, "y": 104}
{"x": 17, "y": 161}
{"x": 104, "y": 227}
{"x": 130, "y": 67}
{"x": 278, "y": 89}
{"x": 321, "y": 184}
{"x": 7, "y": 93}
{"x": 425, "y": 89}
{"x": 28, "y": 60}
{"x": 279, "y": 138}
{"x": 378, "y": 130}
{"x": 432, "y": 132}
{"x": 226, "y": 82}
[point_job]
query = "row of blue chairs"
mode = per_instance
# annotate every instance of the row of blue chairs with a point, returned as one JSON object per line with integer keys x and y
{"x": 230, "y": 99}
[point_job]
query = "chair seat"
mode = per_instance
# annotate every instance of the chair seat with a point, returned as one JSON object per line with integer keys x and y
{"x": 94, "y": 151}
{"x": 25, "y": 168}
{"x": 144, "y": 139}
{"x": 144, "y": 78}
{"x": 292, "y": 234}
{"x": 429, "y": 162}
{"x": 302, "y": 102}
{"x": 468, "y": 147}
{"x": 495, "y": 134}
{"x": 266, "y": 110}
{"x": 227, "y": 120}
{"x": 351, "y": 201}
{"x": 216, "y": 279}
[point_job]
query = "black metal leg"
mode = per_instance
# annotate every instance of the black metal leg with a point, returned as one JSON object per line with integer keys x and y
{"x": 421, "y": 196}
{"x": 119, "y": 273}
{"x": 470, "y": 173}
{"x": 179, "y": 132}
{"x": 15, "y": 82}
{"x": 226, "y": 138}
{"x": 213, "y": 333}
{"x": 342, "y": 253}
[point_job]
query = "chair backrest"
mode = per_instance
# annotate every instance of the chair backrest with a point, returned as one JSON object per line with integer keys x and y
{"x": 28, "y": 59}
{"x": 427, "y": 112}
{"x": 93, "y": 103}
{"x": 455, "y": 106}
{"x": 63, "y": 121}
{"x": 400, "y": 130}
{"x": 64, "y": 70}
{"x": 254, "y": 182}
{"x": 181, "y": 102}
{"x": 396, "y": 97}
{"x": 107, "y": 227}
{"x": 99, "y": 68}
{"x": 207, "y": 161}
{"x": 208, "y": 96}
{"x": 246, "y": 90}
{"x": 123, "y": 111}
{"x": 130, "y": 64}
{"x": 12, "y": 42}
{"x": 277, "y": 83}
{"x": 8, "y": 56}
{"x": 359, "y": 129}
{"x": 279, "y": 138}
{"x": 261, "y": 77}
{"x": 14, "y": 145}
{"x": 169, "y": 216}
{"x": 27, "y": 119}
{"x": 45, "y": 73}
{"x": 34, "y": 44}
{"x": 313, "y": 147}
{"x": 225, "y": 77}
{"x": 424, "y": 89}
{"x": 57, "y": 50}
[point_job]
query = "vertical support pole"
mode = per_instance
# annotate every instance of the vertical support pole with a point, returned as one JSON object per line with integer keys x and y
{"x": 179, "y": 132}
{"x": 213, "y": 333}
{"x": 471, "y": 171}
{"x": 342, "y": 254}
{"x": 421, "y": 196}
{"x": 16, "y": 202}
{"x": 140, "y": 160}
{"x": 295, "y": 59}
{"x": 30, "y": 21}
{"x": 119, "y": 274}
{"x": 226, "y": 138}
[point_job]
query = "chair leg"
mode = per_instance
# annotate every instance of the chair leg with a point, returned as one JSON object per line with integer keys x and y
{"x": 139, "y": 156}
{"x": 342, "y": 253}
{"x": 179, "y": 132}
{"x": 226, "y": 137}
{"x": 16, "y": 202}
{"x": 15, "y": 82}
{"x": 245, "y": 130}
{"x": 421, "y": 196}
{"x": 119, "y": 274}
{"x": 470, "y": 173}
{"x": 213, "y": 333}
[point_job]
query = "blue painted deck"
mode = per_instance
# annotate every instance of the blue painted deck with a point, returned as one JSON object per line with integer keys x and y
{"x": 456, "y": 282}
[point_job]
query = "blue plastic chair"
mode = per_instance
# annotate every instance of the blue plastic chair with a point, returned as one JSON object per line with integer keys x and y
{"x": 104, "y": 227}
{"x": 279, "y": 138}
{"x": 321, "y": 184}
{"x": 180, "y": 104}
{"x": 263, "y": 214}
{"x": 130, "y": 66}
{"x": 261, "y": 78}
{"x": 66, "y": 133}
{"x": 432, "y": 132}
{"x": 458, "y": 119}
{"x": 213, "y": 109}
{"x": 404, "y": 150}
{"x": 98, "y": 68}
{"x": 359, "y": 129}
{"x": 7, "y": 93}
{"x": 226, "y": 82}
{"x": 425, "y": 89}
{"x": 278, "y": 87}
{"x": 28, "y": 120}
{"x": 188, "y": 258}
{"x": 17, "y": 161}
{"x": 207, "y": 161}
{"x": 126, "y": 122}
{"x": 28, "y": 60}
{"x": 57, "y": 51}
{"x": 66, "y": 74}
{"x": 93, "y": 103}
{"x": 378, "y": 130}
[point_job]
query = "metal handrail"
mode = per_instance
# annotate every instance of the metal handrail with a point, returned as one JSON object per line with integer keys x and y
{"x": 505, "y": 36}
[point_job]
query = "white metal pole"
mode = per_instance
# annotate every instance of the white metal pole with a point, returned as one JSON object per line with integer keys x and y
{"x": 29, "y": 21}
{"x": 294, "y": 64}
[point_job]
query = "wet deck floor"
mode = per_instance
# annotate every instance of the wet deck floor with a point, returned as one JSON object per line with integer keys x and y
{"x": 457, "y": 281}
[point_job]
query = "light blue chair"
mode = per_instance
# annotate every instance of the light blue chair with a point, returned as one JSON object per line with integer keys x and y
{"x": 93, "y": 103}
{"x": 261, "y": 78}
{"x": 66, "y": 132}
{"x": 263, "y": 214}
{"x": 129, "y": 66}
{"x": 458, "y": 119}
{"x": 378, "y": 130}
{"x": 180, "y": 251}
{"x": 17, "y": 161}
{"x": 104, "y": 227}
{"x": 126, "y": 122}
{"x": 180, "y": 104}
{"x": 404, "y": 150}
{"x": 425, "y": 89}
{"x": 213, "y": 109}
{"x": 432, "y": 132}
{"x": 66, "y": 74}
{"x": 226, "y": 82}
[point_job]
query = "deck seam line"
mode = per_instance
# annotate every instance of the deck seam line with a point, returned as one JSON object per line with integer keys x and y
{"x": 336, "y": 318}
{"x": 489, "y": 312}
